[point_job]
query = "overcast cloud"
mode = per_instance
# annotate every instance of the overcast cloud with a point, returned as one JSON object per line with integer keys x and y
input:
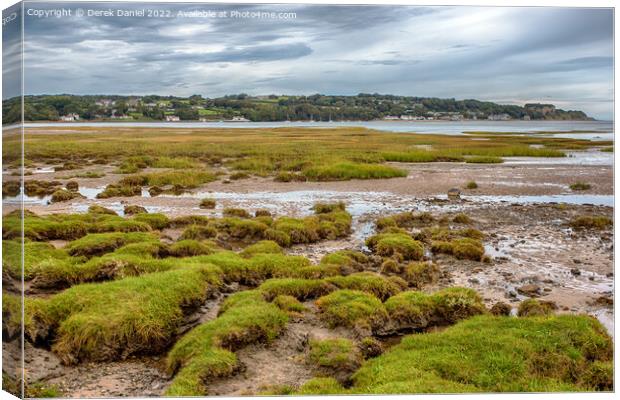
{"x": 507, "y": 55}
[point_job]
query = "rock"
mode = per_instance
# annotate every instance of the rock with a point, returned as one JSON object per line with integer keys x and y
{"x": 576, "y": 261}
{"x": 605, "y": 301}
{"x": 529, "y": 290}
{"x": 575, "y": 271}
{"x": 454, "y": 193}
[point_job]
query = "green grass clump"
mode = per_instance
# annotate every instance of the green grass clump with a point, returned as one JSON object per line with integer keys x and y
{"x": 484, "y": 160}
{"x": 68, "y": 226}
{"x": 236, "y": 212}
{"x": 535, "y": 308}
{"x": 468, "y": 249}
{"x": 100, "y": 243}
{"x": 186, "y": 178}
{"x": 328, "y": 225}
{"x": 493, "y": 354}
{"x": 301, "y": 289}
{"x": 262, "y": 247}
{"x": 289, "y": 304}
{"x": 110, "y": 320}
{"x": 156, "y": 221}
{"x": 405, "y": 220}
{"x": 347, "y": 170}
{"x": 242, "y": 228}
{"x": 64, "y": 195}
{"x": 608, "y": 149}
{"x": 461, "y": 218}
{"x": 464, "y": 248}
{"x": 591, "y": 222}
{"x": 419, "y": 274}
{"x": 368, "y": 282}
{"x": 417, "y": 310}
{"x": 134, "y": 210}
{"x": 96, "y": 209}
{"x": 207, "y": 203}
{"x": 325, "y": 208}
{"x": 396, "y": 244}
{"x": 580, "y": 186}
{"x": 239, "y": 175}
{"x": 198, "y": 232}
{"x": 336, "y": 355}
{"x": 347, "y": 260}
{"x": 189, "y": 248}
{"x": 206, "y": 352}
{"x": 320, "y": 386}
{"x": 35, "y": 255}
{"x": 285, "y": 176}
{"x": 115, "y": 190}
{"x": 471, "y": 185}
{"x": 11, "y": 316}
{"x": 352, "y": 308}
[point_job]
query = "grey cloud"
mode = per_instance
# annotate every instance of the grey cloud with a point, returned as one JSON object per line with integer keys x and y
{"x": 560, "y": 53}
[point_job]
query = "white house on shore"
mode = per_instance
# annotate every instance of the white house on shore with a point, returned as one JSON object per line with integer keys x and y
{"x": 172, "y": 118}
{"x": 70, "y": 117}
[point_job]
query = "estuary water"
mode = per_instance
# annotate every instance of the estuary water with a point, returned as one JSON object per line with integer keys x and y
{"x": 596, "y": 130}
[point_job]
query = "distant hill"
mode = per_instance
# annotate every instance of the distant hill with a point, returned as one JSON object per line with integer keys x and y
{"x": 272, "y": 108}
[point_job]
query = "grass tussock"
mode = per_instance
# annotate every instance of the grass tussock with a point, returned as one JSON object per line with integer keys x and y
{"x": 207, "y": 351}
{"x": 536, "y": 308}
{"x": 528, "y": 355}
{"x": 208, "y": 204}
{"x": 100, "y": 243}
{"x": 596, "y": 222}
{"x": 352, "y": 308}
{"x": 416, "y": 310}
{"x": 335, "y": 356}
{"x": 471, "y": 185}
{"x": 580, "y": 186}
{"x": 396, "y": 245}
{"x": 346, "y": 171}
{"x": 484, "y": 160}
{"x": 111, "y": 320}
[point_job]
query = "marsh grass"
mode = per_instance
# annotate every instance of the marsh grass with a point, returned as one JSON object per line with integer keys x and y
{"x": 529, "y": 355}
{"x": 287, "y": 153}
{"x": 484, "y": 160}
{"x": 580, "y": 186}
{"x": 105, "y": 320}
{"x": 206, "y": 352}
{"x": 597, "y": 222}
{"x": 352, "y": 308}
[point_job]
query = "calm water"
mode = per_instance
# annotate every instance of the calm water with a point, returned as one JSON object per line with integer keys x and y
{"x": 603, "y": 129}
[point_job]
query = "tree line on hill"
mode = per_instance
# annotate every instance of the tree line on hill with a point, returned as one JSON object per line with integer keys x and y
{"x": 271, "y": 108}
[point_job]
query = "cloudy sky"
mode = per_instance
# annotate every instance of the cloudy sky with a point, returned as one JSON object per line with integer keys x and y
{"x": 504, "y": 54}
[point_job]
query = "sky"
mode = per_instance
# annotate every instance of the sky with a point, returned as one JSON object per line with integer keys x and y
{"x": 509, "y": 55}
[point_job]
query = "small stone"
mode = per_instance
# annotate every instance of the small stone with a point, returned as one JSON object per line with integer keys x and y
{"x": 575, "y": 271}
{"x": 529, "y": 290}
{"x": 454, "y": 193}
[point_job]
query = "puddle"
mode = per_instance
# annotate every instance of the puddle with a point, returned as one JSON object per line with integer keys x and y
{"x": 573, "y": 158}
{"x": 28, "y": 200}
{"x": 529, "y": 184}
{"x": 358, "y": 203}
{"x": 43, "y": 170}
{"x": 578, "y": 199}
{"x": 90, "y": 193}
{"x": 497, "y": 252}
